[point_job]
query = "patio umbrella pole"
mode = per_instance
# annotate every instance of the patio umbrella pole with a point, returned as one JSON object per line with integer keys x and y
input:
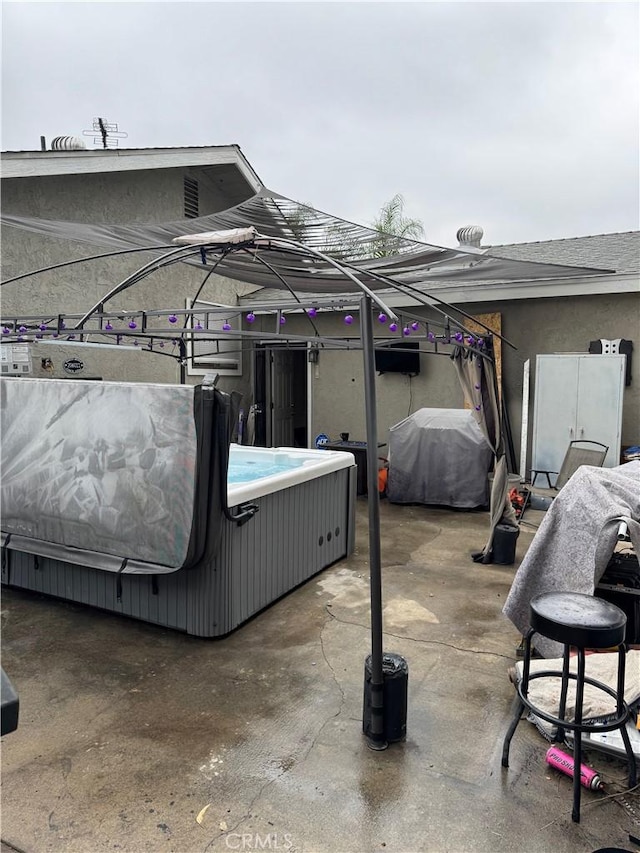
{"x": 376, "y": 737}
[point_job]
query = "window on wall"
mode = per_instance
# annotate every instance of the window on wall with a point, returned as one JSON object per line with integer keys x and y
{"x": 221, "y": 354}
{"x": 191, "y": 198}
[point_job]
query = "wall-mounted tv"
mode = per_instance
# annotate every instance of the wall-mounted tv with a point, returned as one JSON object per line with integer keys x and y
{"x": 402, "y": 357}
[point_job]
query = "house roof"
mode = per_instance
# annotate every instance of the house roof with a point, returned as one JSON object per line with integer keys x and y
{"x": 618, "y": 251}
{"x": 29, "y": 164}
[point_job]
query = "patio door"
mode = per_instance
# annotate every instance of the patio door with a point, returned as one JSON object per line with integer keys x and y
{"x": 281, "y": 381}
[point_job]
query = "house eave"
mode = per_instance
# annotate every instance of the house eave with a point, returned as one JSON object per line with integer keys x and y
{"x": 460, "y": 294}
{"x": 29, "y": 164}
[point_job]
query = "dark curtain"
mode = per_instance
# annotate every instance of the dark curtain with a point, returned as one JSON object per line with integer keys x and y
{"x": 477, "y": 375}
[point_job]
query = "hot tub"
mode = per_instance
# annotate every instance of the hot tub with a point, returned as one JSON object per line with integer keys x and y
{"x": 205, "y": 578}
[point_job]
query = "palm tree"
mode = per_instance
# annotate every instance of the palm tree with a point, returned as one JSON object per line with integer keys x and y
{"x": 393, "y": 227}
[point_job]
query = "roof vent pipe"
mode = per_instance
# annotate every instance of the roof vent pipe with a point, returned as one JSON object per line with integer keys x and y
{"x": 470, "y": 235}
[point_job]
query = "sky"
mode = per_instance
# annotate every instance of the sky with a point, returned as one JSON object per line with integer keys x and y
{"x": 522, "y": 118}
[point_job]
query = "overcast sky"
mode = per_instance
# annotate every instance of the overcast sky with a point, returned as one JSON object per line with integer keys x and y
{"x": 519, "y": 117}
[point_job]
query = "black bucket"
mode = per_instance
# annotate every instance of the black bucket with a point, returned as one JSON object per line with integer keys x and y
{"x": 504, "y": 544}
{"x": 395, "y": 675}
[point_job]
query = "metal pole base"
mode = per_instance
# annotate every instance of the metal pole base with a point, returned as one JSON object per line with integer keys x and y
{"x": 377, "y": 745}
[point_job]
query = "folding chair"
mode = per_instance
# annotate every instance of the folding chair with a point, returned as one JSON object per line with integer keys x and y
{"x": 579, "y": 452}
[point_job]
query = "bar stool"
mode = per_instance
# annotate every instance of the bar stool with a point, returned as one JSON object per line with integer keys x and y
{"x": 584, "y": 622}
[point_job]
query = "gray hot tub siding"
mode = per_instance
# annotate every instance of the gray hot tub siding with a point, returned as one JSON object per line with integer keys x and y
{"x": 256, "y": 564}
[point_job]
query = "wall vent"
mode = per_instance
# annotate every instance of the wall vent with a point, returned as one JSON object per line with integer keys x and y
{"x": 191, "y": 198}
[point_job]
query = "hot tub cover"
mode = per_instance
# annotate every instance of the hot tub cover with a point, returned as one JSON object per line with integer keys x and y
{"x": 439, "y": 456}
{"x": 104, "y": 468}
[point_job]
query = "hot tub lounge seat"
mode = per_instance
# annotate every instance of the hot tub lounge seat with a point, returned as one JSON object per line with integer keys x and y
{"x": 584, "y": 622}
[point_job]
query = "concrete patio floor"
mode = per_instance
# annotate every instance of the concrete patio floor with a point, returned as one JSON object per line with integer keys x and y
{"x": 128, "y": 731}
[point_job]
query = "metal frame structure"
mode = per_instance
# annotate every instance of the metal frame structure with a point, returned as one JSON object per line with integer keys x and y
{"x": 312, "y": 271}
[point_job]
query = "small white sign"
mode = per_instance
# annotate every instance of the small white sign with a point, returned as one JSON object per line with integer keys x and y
{"x": 15, "y": 359}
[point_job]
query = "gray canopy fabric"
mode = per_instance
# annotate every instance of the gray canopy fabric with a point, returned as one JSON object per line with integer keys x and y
{"x": 379, "y": 260}
{"x": 478, "y": 379}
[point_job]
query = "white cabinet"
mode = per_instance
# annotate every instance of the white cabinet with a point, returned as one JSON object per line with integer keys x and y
{"x": 577, "y": 396}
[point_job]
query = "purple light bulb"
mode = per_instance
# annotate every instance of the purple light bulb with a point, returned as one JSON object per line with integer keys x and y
{"x": 251, "y": 317}
{"x": 393, "y": 327}
{"x": 312, "y": 312}
{"x": 6, "y": 330}
{"x": 283, "y": 319}
{"x": 43, "y": 327}
{"x": 382, "y": 318}
{"x": 108, "y": 326}
{"x": 406, "y": 331}
{"x": 348, "y": 319}
{"x": 133, "y": 324}
{"x": 415, "y": 326}
{"x": 172, "y": 318}
{"x": 199, "y": 326}
{"x": 22, "y": 329}
{"x": 431, "y": 336}
{"x": 226, "y": 327}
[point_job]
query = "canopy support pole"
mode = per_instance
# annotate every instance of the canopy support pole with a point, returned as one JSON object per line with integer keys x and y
{"x": 376, "y": 738}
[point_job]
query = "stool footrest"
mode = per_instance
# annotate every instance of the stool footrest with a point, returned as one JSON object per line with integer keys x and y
{"x": 585, "y": 725}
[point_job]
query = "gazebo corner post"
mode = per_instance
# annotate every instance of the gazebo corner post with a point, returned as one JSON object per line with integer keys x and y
{"x": 374, "y": 689}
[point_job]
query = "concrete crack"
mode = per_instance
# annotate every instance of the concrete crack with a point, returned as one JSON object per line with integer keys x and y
{"x": 425, "y": 642}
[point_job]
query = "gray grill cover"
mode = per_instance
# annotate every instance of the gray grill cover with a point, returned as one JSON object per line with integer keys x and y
{"x": 439, "y": 456}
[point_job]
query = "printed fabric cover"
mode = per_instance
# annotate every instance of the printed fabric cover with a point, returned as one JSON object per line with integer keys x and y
{"x": 102, "y": 467}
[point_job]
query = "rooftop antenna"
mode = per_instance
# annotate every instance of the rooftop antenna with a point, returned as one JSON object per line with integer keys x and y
{"x": 105, "y": 132}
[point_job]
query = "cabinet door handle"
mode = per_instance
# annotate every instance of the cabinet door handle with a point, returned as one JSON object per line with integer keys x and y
{"x": 581, "y": 432}
{"x": 571, "y": 431}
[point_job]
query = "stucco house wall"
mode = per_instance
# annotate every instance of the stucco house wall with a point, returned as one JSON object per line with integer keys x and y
{"x": 535, "y": 326}
{"x": 149, "y": 195}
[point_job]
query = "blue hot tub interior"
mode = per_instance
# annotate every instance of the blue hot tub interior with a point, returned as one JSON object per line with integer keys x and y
{"x": 245, "y": 470}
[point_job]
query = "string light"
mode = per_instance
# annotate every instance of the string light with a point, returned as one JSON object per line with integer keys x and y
{"x": 348, "y": 320}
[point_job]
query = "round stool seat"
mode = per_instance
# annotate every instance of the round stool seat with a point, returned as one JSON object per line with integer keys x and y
{"x": 579, "y": 620}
